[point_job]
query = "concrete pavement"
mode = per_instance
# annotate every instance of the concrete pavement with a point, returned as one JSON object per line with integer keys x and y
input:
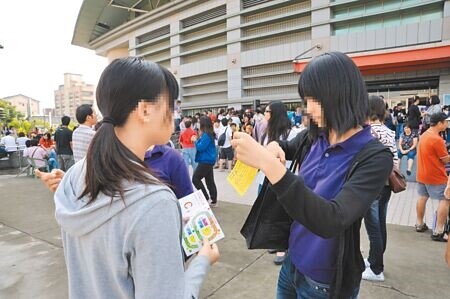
{"x": 32, "y": 261}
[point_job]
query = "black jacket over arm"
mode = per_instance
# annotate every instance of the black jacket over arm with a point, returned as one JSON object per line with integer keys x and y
{"x": 340, "y": 217}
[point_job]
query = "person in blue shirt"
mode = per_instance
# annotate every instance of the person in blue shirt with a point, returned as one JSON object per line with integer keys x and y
{"x": 343, "y": 170}
{"x": 170, "y": 168}
{"x": 165, "y": 162}
{"x": 206, "y": 158}
{"x": 296, "y": 119}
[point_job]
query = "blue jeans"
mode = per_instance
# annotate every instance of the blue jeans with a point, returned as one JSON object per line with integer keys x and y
{"x": 375, "y": 222}
{"x": 411, "y": 155}
{"x": 189, "y": 157}
{"x": 176, "y": 123}
{"x": 399, "y": 130}
{"x": 54, "y": 163}
{"x": 294, "y": 285}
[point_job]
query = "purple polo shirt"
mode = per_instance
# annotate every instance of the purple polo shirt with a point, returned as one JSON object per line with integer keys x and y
{"x": 324, "y": 170}
{"x": 168, "y": 164}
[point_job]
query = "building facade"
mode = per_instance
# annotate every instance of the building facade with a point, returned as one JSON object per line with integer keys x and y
{"x": 232, "y": 52}
{"x": 24, "y": 104}
{"x": 49, "y": 111}
{"x": 73, "y": 93}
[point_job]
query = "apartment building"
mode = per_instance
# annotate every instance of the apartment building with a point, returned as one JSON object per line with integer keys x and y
{"x": 73, "y": 93}
{"x": 24, "y": 104}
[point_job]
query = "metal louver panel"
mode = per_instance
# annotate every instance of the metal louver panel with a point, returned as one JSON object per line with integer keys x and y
{"x": 250, "y": 3}
{"x": 205, "y": 16}
{"x": 153, "y": 34}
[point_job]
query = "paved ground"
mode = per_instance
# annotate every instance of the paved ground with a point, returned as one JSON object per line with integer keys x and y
{"x": 32, "y": 262}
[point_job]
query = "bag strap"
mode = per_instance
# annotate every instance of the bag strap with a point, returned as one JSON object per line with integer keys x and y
{"x": 225, "y": 132}
{"x": 302, "y": 150}
{"x": 32, "y": 155}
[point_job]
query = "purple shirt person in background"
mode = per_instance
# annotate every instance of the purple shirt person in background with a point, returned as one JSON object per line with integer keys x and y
{"x": 168, "y": 164}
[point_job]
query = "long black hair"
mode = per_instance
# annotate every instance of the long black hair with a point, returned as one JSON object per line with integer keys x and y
{"x": 336, "y": 83}
{"x": 206, "y": 126}
{"x": 123, "y": 84}
{"x": 377, "y": 108}
{"x": 279, "y": 125}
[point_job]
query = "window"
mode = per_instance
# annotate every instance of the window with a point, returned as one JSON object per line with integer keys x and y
{"x": 356, "y": 27}
{"x": 391, "y": 4}
{"x": 411, "y": 18}
{"x": 374, "y": 24}
{"x": 341, "y": 13}
{"x": 340, "y": 30}
{"x": 410, "y": 2}
{"x": 391, "y": 20}
{"x": 431, "y": 15}
{"x": 374, "y": 7}
{"x": 356, "y": 11}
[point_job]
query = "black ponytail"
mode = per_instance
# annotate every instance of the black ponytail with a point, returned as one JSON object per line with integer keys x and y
{"x": 123, "y": 84}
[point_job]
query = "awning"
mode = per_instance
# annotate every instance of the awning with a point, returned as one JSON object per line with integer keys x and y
{"x": 394, "y": 62}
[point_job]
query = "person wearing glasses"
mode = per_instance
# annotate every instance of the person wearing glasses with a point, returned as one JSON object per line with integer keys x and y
{"x": 278, "y": 128}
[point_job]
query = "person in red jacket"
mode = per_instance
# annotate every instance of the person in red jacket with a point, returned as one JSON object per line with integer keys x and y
{"x": 188, "y": 147}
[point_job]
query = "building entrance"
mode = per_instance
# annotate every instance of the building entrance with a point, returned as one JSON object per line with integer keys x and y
{"x": 404, "y": 90}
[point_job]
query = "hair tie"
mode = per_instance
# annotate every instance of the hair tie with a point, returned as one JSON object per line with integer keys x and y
{"x": 109, "y": 120}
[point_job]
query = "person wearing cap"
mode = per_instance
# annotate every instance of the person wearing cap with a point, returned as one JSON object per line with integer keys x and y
{"x": 432, "y": 178}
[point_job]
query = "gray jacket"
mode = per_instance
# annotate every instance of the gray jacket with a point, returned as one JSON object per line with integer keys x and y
{"x": 124, "y": 250}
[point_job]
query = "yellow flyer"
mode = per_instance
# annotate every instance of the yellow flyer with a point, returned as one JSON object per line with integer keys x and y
{"x": 241, "y": 177}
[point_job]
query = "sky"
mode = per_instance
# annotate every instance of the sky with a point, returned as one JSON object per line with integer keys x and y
{"x": 36, "y": 36}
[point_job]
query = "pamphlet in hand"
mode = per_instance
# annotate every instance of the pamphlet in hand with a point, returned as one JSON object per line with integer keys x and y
{"x": 201, "y": 224}
{"x": 242, "y": 177}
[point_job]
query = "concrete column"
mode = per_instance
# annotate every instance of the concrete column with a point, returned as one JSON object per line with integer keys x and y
{"x": 116, "y": 53}
{"x": 175, "y": 50}
{"x": 234, "y": 73}
{"x": 319, "y": 3}
{"x": 175, "y": 39}
{"x": 446, "y": 21}
{"x": 321, "y": 34}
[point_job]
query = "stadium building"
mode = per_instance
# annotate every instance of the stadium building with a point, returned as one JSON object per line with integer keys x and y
{"x": 234, "y": 52}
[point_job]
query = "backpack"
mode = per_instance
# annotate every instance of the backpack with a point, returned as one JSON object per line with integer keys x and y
{"x": 222, "y": 138}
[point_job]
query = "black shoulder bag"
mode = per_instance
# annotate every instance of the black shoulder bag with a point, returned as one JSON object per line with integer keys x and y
{"x": 268, "y": 225}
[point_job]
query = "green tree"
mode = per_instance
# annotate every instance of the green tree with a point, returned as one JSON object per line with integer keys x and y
{"x": 40, "y": 124}
{"x": 21, "y": 125}
{"x": 9, "y": 114}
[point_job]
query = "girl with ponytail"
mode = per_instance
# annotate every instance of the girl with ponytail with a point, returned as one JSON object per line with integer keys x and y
{"x": 120, "y": 225}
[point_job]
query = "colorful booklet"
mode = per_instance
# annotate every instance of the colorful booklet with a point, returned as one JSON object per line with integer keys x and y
{"x": 201, "y": 224}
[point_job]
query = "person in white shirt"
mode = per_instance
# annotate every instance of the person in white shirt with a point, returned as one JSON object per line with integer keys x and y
{"x": 21, "y": 141}
{"x": 217, "y": 125}
{"x": 221, "y": 113}
{"x": 9, "y": 142}
{"x": 82, "y": 136}
{"x": 235, "y": 118}
{"x": 181, "y": 125}
{"x": 258, "y": 116}
{"x": 226, "y": 152}
{"x": 177, "y": 112}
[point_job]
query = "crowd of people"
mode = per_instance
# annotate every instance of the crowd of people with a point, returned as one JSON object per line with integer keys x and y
{"x": 117, "y": 204}
{"x": 54, "y": 149}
